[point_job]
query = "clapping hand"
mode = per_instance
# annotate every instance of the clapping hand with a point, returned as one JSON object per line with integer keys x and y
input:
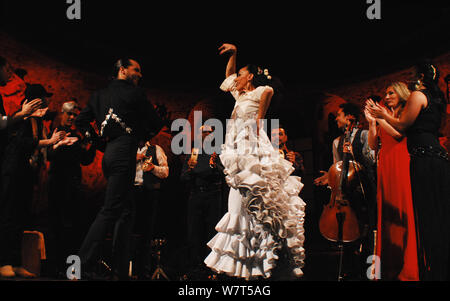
{"x": 58, "y": 136}
{"x": 191, "y": 163}
{"x": 39, "y": 112}
{"x": 290, "y": 156}
{"x": 369, "y": 117}
{"x": 376, "y": 111}
{"x": 63, "y": 139}
{"x": 148, "y": 166}
{"x": 29, "y": 108}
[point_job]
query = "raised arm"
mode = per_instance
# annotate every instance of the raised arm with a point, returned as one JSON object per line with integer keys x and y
{"x": 373, "y": 131}
{"x": 28, "y": 109}
{"x": 231, "y": 65}
{"x": 413, "y": 106}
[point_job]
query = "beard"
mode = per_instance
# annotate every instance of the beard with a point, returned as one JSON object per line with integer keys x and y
{"x": 133, "y": 79}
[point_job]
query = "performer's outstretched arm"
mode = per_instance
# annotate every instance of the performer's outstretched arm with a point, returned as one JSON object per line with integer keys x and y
{"x": 231, "y": 65}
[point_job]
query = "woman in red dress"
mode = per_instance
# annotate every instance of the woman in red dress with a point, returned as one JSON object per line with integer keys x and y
{"x": 396, "y": 240}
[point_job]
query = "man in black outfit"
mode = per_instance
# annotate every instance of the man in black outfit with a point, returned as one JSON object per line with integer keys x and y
{"x": 203, "y": 174}
{"x": 280, "y": 140}
{"x": 124, "y": 117}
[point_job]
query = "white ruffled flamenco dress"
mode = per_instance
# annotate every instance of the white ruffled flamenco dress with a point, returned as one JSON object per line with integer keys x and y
{"x": 264, "y": 209}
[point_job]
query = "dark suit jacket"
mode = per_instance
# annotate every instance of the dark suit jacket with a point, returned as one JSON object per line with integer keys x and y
{"x": 129, "y": 103}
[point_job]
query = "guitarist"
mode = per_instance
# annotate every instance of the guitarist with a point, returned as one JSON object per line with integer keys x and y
{"x": 364, "y": 198}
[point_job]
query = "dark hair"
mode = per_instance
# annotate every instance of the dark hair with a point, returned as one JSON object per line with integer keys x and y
{"x": 350, "y": 109}
{"x": 2, "y": 62}
{"x": 259, "y": 78}
{"x": 430, "y": 81}
{"x": 123, "y": 62}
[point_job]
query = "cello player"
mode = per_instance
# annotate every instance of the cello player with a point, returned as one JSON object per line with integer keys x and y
{"x": 365, "y": 199}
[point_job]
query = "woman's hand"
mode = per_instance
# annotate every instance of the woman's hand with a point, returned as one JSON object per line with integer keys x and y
{"x": 375, "y": 110}
{"x": 231, "y": 65}
{"x": 227, "y": 48}
{"x": 370, "y": 119}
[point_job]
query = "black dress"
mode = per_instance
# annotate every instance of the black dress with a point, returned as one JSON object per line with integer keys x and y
{"x": 430, "y": 185}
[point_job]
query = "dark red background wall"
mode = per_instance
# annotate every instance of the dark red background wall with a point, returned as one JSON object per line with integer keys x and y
{"x": 304, "y": 111}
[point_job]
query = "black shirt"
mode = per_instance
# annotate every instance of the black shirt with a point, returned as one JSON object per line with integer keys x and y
{"x": 19, "y": 146}
{"x": 129, "y": 104}
{"x": 202, "y": 174}
{"x": 66, "y": 159}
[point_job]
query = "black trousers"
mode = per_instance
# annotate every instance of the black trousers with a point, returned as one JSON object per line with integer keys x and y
{"x": 204, "y": 211}
{"x": 146, "y": 202}
{"x": 15, "y": 203}
{"x": 431, "y": 201}
{"x": 65, "y": 209}
{"x": 119, "y": 168}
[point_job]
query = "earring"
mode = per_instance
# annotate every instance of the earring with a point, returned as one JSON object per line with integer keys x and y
{"x": 418, "y": 84}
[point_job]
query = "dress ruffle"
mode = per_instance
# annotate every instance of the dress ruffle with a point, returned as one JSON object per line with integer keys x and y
{"x": 242, "y": 248}
{"x": 246, "y": 244}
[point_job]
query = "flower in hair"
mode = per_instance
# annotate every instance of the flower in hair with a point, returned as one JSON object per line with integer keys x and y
{"x": 266, "y": 73}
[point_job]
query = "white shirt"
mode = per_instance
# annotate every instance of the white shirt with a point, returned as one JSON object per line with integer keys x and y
{"x": 366, "y": 151}
{"x": 161, "y": 171}
{"x": 246, "y": 103}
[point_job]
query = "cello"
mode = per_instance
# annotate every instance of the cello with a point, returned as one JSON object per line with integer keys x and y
{"x": 338, "y": 221}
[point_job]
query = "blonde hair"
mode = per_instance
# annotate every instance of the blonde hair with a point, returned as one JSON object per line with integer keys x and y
{"x": 402, "y": 91}
{"x": 69, "y": 106}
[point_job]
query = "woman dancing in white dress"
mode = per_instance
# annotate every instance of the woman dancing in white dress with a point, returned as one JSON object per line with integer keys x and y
{"x": 264, "y": 209}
